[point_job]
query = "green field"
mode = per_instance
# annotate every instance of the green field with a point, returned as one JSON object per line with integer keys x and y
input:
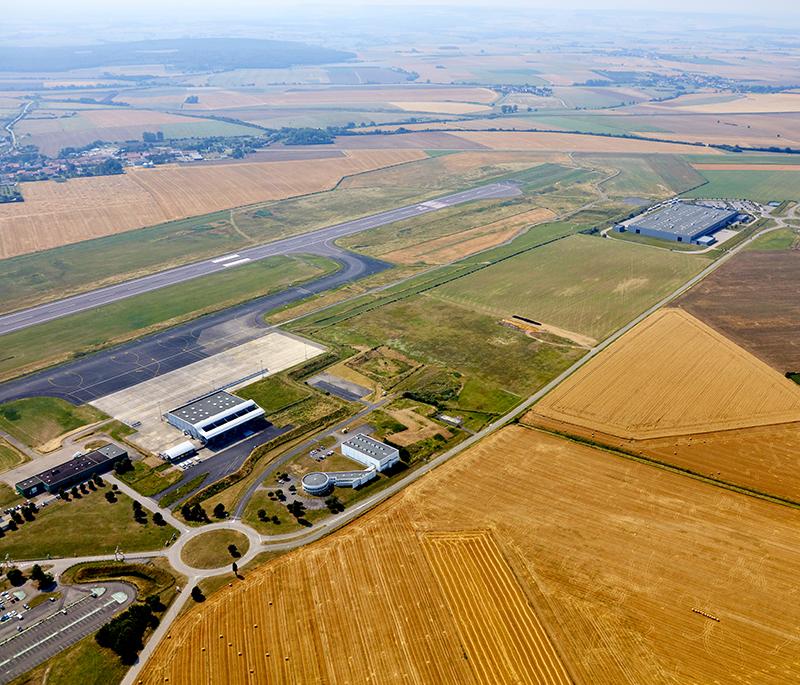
{"x": 432, "y": 331}
{"x": 86, "y": 526}
{"x": 210, "y": 550}
{"x": 88, "y": 331}
{"x": 593, "y": 123}
{"x": 150, "y": 481}
{"x": 50, "y": 274}
{"x": 583, "y": 284}
{"x": 9, "y": 457}
{"x": 782, "y": 239}
{"x": 273, "y": 394}
{"x": 36, "y": 420}
{"x": 759, "y": 185}
{"x": 743, "y": 158}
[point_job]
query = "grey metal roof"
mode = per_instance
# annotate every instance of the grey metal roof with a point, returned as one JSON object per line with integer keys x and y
{"x": 205, "y": 407}
{"x": 367, "y": 445}
{"x": 681, "y": 218}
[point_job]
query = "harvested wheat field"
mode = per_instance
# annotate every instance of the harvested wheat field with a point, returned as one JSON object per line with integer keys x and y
{"x": 56, "y": 214}
{"x": 672, "y": 375}
{"x": 587, "y": 569}
{"x": 452, "y": 247}
{"x": 572, "y": 142}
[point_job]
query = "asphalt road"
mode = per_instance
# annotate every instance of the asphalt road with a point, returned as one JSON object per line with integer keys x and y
{"x": 55, "y": 631}
{"x": 224, "y": 462}
{"x": 87, "y": 378}
{"x": 307, "y": 242}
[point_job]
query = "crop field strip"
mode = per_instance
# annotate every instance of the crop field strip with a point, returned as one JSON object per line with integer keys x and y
{"x": 55, "y": 214}
{"x": 615, "y": 555}
{"x": 494, "y": 618}
{"x": 672, "y": 375}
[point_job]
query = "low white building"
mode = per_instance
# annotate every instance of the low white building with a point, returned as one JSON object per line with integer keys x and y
{"x": 370, "y": 452}
{"x": 179, "y": 451}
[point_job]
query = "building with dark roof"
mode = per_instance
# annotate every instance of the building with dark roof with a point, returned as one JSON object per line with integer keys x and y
{"x": 214, "y": 415}
{"x": 681, "y": 222}
{"x": 77, "y": 470}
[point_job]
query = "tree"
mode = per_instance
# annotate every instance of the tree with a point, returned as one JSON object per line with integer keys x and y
{"x": 15, "y": 577}
{"x": 197, "y": 594}
{"x": 64, "y": 495}
{"x": 28, "y": 514}
{"x": 45, "y": 581}
{"x": 98, "y": 480}
{"x": 123, "y": 465}
{"x": 262, "y": 514}
{"x": 155, "y": 603}
{"x": 219, "y": 511}
{"x": 124, "y": 633}
{"x": 158, "y": 519}
{"x": 233, "y": 550}
{"x": 235, "y": 568}
{"x": 16, "y": 518}
{"x": 74, "y": 491}
{"x": 37, "y": 573}
{"x": 110, "y": 497}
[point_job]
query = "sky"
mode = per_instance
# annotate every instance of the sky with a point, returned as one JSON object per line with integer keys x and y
{"x": 50, "y": 9}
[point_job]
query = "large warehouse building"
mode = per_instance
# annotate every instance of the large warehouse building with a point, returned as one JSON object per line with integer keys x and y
{"x": 77, "y": 470}
{"x": 214, "y": 416}
{"x": 682, "y": 222}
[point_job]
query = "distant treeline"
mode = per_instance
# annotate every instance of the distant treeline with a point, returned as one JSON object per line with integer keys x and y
{"x": 187, "y": 54}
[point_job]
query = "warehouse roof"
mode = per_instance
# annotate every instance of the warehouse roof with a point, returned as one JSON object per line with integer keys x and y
{"x": 206, "y": 407}
{"x": 367, "y": 445}
{"x": 682, "y": 218}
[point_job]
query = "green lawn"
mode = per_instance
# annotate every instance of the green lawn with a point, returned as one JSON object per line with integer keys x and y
{"x": 210, "y": 550}
{"x": 9, "y": 456}
{"x": 85, "y": 662}
{"x": 584, "y": 284}
{"x": 759, "y": 185}
{"x": 273, "y": 393}
{"x": 170, "y": 498}
{"x": 481, "y": 397}
{"x": 36, "y": 420}
{"x": 89, "y": 331}
{"x": 593, "y": 123}
{"x": 80, "y": 527}
{"x": 782, "y": 239}
{"x": 8, "y": 496}
{"x": 150, "y": 481}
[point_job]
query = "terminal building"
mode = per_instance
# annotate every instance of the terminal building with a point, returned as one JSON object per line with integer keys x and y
{"x": 77, "y": 470}
{"x": 370, "y": 452}
{"x": 375, "y": 455}
{"x": 214, "y": 416}
{"x": 681, "y": 222}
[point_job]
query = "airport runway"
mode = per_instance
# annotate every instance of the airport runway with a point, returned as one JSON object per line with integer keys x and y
{"x": 95, "y": 375}
{"x": 306, "y": 242}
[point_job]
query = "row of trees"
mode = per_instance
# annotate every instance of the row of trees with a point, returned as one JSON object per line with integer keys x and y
{"x": 43, "y": 580}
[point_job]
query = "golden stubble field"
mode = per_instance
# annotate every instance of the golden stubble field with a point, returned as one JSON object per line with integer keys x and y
{"x": 672, "y": 375}
{"x": 55, "y": 214}
{"x": 582, "y": 567}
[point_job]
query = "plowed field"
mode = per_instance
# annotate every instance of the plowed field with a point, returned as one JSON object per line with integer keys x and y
{"x": 56, "y": 214}
{"x": 753, "y": 300}
{"x": 672, "y": 375}
{"x": 601, "y": 558}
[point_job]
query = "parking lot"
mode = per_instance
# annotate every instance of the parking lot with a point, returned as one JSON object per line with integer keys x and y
{"x": 49, "y": 628}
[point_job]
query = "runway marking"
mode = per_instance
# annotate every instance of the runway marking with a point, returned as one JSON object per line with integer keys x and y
{"x": 61, "y": 630}
{"x": 237, "y": 262}
{"x": 226, "y": 258}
